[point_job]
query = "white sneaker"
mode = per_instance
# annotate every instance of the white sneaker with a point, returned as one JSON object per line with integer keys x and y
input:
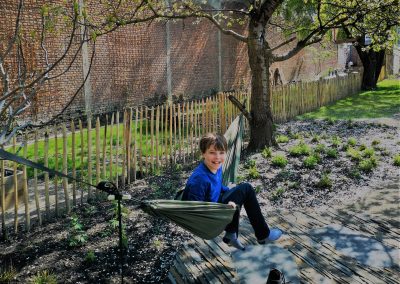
{"x": 274, "y": 234}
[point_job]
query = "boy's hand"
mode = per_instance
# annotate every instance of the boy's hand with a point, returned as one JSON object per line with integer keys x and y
{"x": 232, "y": 204}
{"x": 231, "y": 185}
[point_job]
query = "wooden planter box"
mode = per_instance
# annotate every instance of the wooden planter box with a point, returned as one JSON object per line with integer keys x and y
{"x": 9, "y": 188}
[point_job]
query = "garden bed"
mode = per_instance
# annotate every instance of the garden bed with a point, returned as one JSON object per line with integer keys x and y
{"x": 82, "y": 248}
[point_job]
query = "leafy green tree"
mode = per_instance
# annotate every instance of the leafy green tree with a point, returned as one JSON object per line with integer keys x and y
{"x": 304, "y": 22}
{"x": 373, "y": 34}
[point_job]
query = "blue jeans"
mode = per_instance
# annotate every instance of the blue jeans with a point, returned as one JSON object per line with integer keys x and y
{"x": 244, "y": 195}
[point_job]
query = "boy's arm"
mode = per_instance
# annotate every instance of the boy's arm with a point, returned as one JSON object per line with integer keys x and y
{"x": 198, "y": 190}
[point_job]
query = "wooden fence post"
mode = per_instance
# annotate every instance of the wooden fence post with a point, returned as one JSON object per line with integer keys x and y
{"x": 73, "y": 153}
{"x": 65, "y": 169}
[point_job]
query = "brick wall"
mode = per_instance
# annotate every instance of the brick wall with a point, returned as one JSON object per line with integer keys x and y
{"x": 130, "y": 65}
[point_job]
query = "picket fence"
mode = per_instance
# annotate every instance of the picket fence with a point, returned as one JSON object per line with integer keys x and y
{"x": 134, "y": 143}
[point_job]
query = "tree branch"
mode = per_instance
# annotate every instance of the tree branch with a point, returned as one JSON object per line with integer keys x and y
{"x": 240, "y": 106}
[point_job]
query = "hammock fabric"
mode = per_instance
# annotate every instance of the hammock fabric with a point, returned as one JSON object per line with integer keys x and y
{"x": 204, "y": 219}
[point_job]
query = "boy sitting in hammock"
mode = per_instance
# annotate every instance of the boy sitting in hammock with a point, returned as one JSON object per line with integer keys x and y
{"x": 205, "y": 184}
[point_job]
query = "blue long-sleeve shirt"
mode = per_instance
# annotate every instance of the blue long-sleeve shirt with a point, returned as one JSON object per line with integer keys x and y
{"x": 204, "y": 185}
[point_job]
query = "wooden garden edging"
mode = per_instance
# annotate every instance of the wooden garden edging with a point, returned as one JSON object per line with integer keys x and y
{"x": 138, "y": 142}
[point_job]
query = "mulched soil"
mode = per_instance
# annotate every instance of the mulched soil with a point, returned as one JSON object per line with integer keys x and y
{"x": 152, "y": 243}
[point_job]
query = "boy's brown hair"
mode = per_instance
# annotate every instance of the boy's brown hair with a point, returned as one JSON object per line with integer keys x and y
{"x": 213, "y": 139}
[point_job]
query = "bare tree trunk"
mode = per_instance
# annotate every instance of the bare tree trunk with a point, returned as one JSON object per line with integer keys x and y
{"x": 261, "y": 124}
{"x": 372, "y": 62}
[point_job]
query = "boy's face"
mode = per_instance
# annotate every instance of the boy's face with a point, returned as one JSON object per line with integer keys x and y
{"x": 213, "y": 158}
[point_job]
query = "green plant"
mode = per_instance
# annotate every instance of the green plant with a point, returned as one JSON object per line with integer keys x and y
{"x": 354, "y": 154}
{"x": 310, "y": 162}
{"x": 44, "y": 277}
{"x": 300, "y": 149}
{"x": 296, "y": 135}
{"x": 368, "y": 152}
{"x": 362, "y": 147}
{"x": 331, "y": 153}
{"x": 77, "y": 236}
{"x": 7, "y": 274}
{"x": 253, "y": 173}
{"x": 90, "y": 257}
{"x": 258, "y": 189}
{"x": 250, "y": 164}
{"x": 336, "y": 141}
{"x": 240, "y": 178}
{"x": 352, "y": 141}
{"x": 396, "y": 160}
{"x": 330, "y": 121}
{"x": 325, "y": 181}
{"x": 368, "y": 165}
{"x": 316, "y": 138}
{"x": 294, "y": 185}
{"x": 267, "y": 152}
{"x": 375, "y": 142}
{"x": 279, "y": 161}
{"x": 320, "y": 148}
{"x": 282, "y": 139}
{"x": 278, "y": 193}
{"x": 354, "y": 173}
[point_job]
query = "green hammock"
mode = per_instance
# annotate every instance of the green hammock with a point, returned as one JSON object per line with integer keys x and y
{"x": 204, "y": 219}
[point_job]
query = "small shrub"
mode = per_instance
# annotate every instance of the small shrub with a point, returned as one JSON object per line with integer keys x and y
{"x": 279, "y": 161}
{"x": 354, "y": 154}
{"x": 325, "y": 181}
{"x": 396, "y": 160}
{"x": 320, "y": 148}
{"x": 336, "y": 141}
{"x": 352, "y": 141}
{"x": 295, "y": 135}
{"x": 310, "y": 162}
{"x": 362, "y": 147}
{"x": 253, "y": 173}
{"x": 90, "y": 257}
{"x": 278, "y": 193}
{"x": 282, "y": 139}
{"x": 375, "y": 142}
{"x": 354, "y": 174}
{"x": 332, "y": 153}
{"x": 368, "y": 152}
{"x": 258, "y": 189}
{"x": 250, "y": 164}
{"x": 300, "y": 149}
{"x": 294, "y": 185}
{"x": 44, "y": 277}
{"x": 267, "y": 152}
{"x": 316, "y": 138}
{"x": 240, "y": 179}
{"x": 368, "y": 165}
{"x": 78, "y": 236}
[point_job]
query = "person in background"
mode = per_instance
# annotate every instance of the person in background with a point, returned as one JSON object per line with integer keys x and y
{"x": 205, "y": 184}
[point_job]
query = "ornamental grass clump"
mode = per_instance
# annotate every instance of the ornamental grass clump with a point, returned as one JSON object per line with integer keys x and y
{"x": 367, "y": 165}
{"x": 44, "y": 277}
{"x": 331, "y": 153}
{"x": 352, "y": 141}
{"x": 368, "y": 152}
{"x": 278, "y": 193}
{"x": 279, "y": 161}
{"x": 320, "y": 148}
{"x": 396, "y": 160}
{"x": 300, "y": 149}
{"x": 354, "y": 154}
{"x": 336, "y": 141}
{"x": 310, "y": 162}
{"x": 253, "y": 173}
{"x": 266, "y": 153}
{"x": 282, "y": 139}
{"x": 325, "y": 181}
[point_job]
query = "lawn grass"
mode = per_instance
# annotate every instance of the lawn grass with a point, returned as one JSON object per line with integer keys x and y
{"x": 383, "y": 102}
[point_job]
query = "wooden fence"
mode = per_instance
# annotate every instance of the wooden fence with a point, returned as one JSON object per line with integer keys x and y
{"x": 134, "y": 143}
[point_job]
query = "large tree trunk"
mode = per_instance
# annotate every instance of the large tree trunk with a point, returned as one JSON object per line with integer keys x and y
{"x": 372, "y": 62}
{"x": 261, "y": 124}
